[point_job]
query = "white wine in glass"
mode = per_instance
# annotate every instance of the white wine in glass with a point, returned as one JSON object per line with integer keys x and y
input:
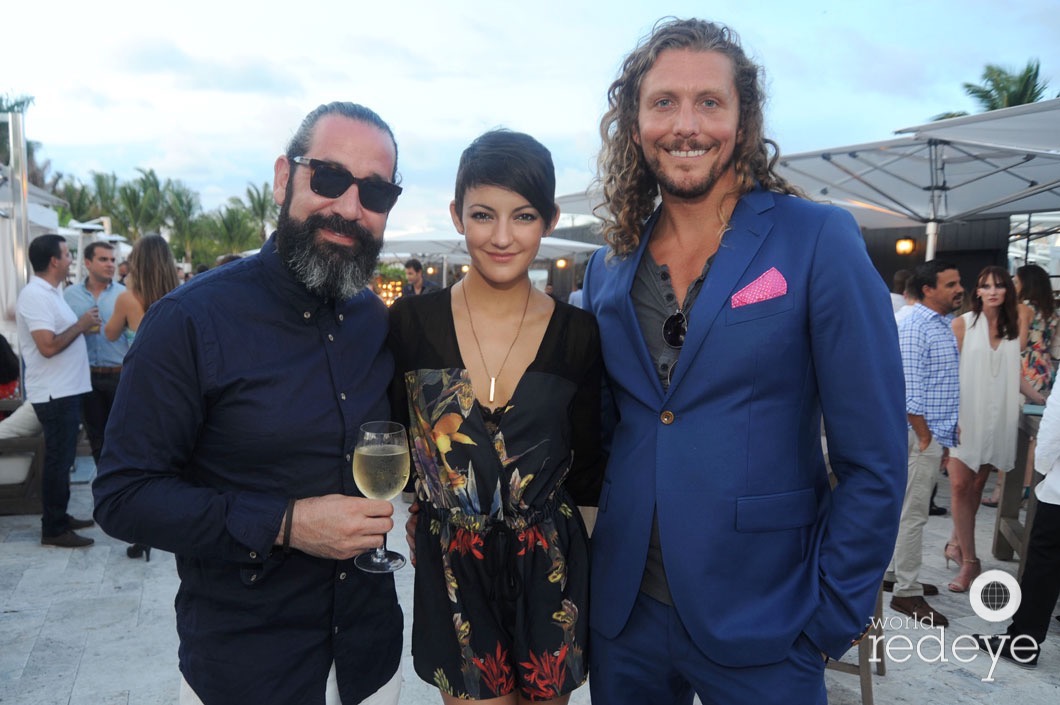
{"x": 381, "y": 470}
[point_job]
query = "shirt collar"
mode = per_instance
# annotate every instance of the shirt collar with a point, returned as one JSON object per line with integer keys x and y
{"x": 83, "y": 284}
{"x": 930, "y": 312}
{"x": 46, "y": 284}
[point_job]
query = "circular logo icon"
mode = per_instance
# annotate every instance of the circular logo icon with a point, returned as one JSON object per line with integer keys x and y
{"x": 995, "y": 595}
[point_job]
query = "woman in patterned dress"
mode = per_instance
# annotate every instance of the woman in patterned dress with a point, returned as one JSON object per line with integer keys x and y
{"x": 499, "y": 385}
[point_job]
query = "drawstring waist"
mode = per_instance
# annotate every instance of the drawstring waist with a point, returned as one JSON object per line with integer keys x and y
{"x": 501, "y": 541}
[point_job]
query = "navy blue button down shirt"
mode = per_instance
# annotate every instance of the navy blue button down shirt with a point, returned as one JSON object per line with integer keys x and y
{"x": 240, "y": 391}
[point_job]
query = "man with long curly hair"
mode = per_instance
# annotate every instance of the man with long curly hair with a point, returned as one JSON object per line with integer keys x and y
{"x": 734, "y": 313}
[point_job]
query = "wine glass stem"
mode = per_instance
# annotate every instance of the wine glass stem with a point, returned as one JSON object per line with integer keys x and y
{"x": 380, "y": 555}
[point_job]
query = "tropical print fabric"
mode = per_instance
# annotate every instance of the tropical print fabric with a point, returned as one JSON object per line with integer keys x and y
{"x": 501, "y": 553}
{"x": 1037, "y": 365}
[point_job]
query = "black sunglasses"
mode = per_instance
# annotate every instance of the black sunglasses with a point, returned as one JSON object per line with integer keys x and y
{"x": 674, "y": 329}
{"x": 331, "y": 181}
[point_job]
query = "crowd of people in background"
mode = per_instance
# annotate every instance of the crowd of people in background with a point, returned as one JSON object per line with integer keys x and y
{"x": 974, "y": 362}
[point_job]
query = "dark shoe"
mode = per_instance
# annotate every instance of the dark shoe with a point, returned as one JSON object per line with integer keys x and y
{"x": 67, "y": 540}
{"x": 139, "y": 549}
{"x": 989, "y": 502}
{"x": 937, "y": 511}
{"x": 918, "y": 608}
{"x": 1024, "y": 655}
{"x": 929, "y": 589}
{"x": 74, "y": 523}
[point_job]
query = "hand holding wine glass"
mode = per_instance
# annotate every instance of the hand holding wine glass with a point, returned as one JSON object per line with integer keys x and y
{"x": 381, "y": 470}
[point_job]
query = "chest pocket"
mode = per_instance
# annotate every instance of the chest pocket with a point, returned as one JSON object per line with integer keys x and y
{"x": 755, "y": 311}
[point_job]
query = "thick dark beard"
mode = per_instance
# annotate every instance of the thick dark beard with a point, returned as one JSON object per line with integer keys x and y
{"x": 325, "y": 268}
{"x": 693, "y": 191}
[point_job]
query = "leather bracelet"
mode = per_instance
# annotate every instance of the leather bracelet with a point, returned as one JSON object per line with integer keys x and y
{"x": 288, "y": 519}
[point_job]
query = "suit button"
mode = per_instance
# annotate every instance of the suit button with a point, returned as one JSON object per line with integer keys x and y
{"x": 667, "y": 417}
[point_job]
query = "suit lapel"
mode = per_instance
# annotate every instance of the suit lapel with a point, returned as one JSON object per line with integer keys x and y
{"x": 630, "y": 323}
{"x": 749, "y": 227}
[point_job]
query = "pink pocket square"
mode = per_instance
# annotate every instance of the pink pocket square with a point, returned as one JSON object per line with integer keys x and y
{"x": 768, "y": 286}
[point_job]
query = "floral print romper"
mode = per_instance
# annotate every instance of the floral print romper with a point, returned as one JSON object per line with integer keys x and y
{"x": 502, "y": 555}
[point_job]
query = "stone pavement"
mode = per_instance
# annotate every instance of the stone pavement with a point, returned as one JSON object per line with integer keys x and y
{"x": 93, "y": 627}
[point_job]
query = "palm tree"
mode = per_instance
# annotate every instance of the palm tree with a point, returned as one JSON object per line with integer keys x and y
{"x": 262, "y": 207}
{"x": 80, "y": 202}
{"x": 140, "y": 204}
{"x": 1001, "y": 88}
{"x": 233, "y": 229}
{"x": 182, "y": 209}
{"x": 105, "y": 193}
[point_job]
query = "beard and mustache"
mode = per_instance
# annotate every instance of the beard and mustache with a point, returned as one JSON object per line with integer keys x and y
{"x": 327, "y": 269}
{"x": 688, "y": 191}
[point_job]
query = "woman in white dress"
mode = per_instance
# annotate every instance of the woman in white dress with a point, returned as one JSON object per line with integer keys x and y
{"x": 989, "y": 338}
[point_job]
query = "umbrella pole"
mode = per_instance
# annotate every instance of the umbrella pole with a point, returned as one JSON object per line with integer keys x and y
{"x": 932, "y": 240}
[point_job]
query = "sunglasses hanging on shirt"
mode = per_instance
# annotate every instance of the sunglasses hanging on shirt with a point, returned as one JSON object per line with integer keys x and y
{"x": 674, "y": 329}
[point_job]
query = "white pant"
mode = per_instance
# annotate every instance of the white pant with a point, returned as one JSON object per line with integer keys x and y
{"x": 904, "y": 569}
{"x": 387, "y": 695}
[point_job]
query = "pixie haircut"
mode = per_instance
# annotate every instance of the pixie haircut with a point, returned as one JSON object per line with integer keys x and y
{"x": 299, "y": 144}
{"x": 513, "y": 161}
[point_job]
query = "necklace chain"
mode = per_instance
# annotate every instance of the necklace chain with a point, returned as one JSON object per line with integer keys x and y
{"x": 471, "y": 321}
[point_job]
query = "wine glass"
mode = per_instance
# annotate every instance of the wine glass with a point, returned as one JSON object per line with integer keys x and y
{"x": 381, "y": 470}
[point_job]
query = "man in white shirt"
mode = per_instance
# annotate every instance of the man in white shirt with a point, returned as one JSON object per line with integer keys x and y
{"x": 51, "y": 340}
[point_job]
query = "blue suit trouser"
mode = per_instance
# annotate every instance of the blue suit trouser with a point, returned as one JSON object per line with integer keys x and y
{"x": 654, "y": 661}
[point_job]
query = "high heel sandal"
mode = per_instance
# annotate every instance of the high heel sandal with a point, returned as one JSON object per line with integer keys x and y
{"x": 139, "y": 549}
{"x": 962, "y": 581}
{"x": 955, "y": 555}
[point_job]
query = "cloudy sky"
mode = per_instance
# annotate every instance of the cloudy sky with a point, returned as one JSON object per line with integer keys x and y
{"x": 210, "y": 92}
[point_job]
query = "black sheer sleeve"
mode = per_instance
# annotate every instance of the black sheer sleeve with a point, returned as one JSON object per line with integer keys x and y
{"x": 587, "y": 469}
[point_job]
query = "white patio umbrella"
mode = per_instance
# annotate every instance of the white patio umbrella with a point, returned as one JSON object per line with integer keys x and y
{"x": 868, "y": 215}
{"x": 946, "y": 171}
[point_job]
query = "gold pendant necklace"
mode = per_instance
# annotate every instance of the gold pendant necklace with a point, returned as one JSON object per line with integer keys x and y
{"x": 493, "y": 378}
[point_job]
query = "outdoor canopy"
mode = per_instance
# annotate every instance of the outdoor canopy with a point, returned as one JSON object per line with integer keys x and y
{"x": 1000, "y": 163}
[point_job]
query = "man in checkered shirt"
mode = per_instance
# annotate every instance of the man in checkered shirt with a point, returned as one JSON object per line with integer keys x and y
{"x": 929, "y": 359}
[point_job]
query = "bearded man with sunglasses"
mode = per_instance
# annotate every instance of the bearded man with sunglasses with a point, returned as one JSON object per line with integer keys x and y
{"x": 732, "y": 316}
{"x": 233, "y": 429}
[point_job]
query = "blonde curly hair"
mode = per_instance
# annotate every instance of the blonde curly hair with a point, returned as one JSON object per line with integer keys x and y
{"x": 630, "y": 189}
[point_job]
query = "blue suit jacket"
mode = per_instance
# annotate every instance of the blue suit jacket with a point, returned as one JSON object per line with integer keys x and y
{"x": 756, "y": 546}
